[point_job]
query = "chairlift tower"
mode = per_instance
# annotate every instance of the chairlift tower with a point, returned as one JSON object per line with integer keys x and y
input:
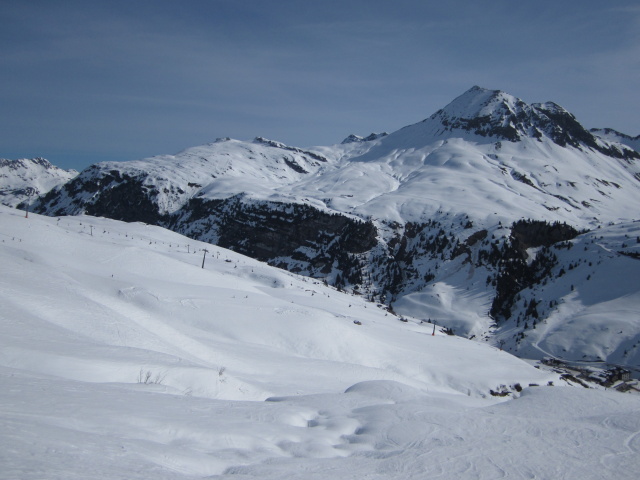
{"x": 29, "y": 191}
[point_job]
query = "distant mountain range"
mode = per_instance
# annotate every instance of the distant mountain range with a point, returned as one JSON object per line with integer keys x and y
{"x": 612, "y": 135}
{"x": 501, "y": 220}
{"x": 25, "y": 178}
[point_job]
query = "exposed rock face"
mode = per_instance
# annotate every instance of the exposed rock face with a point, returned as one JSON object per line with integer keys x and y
{"x": 112, "y": 194}
{"x": 515, "y": 273}
{"x": 529, "y": 233}
{"x": 127, "y": 200}
{"x": 298, "y": 237}
{"x": 358, "y": 139}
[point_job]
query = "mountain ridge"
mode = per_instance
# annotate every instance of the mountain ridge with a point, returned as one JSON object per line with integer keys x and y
{"x": 24, "y": 178}
{"x": 611, "y": 135}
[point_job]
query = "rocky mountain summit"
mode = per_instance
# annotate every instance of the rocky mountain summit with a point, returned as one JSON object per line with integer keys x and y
{"x": 493, "y": 113}
{"x": 358, "y": 139}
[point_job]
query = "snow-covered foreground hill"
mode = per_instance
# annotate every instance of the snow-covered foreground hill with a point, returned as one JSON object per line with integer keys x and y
{"x": 120, "y": 357}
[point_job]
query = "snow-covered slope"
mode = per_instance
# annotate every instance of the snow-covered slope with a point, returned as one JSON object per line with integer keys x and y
{"x": 574, "y": 300}
{"x": 25, "y": 178}
{"x": 138, "y": 287}
{"x": 493, "y": 157}
{"x": 121, "y": 357}
{"x": 167, "y": 182}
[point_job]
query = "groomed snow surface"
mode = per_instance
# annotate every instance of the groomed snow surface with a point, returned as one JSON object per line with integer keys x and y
{"x": 122, "y": 358}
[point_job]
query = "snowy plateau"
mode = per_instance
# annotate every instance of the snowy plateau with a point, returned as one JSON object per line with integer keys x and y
{"x": 456, "y": 299}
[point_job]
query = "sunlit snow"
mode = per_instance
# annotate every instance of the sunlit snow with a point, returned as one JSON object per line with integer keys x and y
{"x": 122, "y": 358}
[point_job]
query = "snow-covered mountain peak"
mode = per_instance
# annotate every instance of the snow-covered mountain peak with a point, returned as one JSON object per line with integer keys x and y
{"x": 24, "y": 162}
{"x": 481, "y": 102}
{"x": 282, "y": 146}
{"x": 26, "y": 177}
{"x": 611, "y": 135}
{"x": 358, "y": 139}
{"x": 30, "y": 164}
{"x": 165, "y": 183}
{"x": 494, "y": 115}
{"x": 271, "y": 143}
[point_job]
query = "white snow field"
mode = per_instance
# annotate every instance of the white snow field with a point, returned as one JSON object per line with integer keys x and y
{"x": 122, "y": 358}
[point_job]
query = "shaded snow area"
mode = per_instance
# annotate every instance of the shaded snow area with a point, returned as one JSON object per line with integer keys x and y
{"x": 122, "y": 358}
{"x": 589, "y": 309}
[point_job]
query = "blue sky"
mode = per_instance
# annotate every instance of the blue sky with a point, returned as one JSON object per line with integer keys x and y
{"x": 87, "y": 81}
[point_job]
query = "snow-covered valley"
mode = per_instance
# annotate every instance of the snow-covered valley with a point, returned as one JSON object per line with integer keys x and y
{"x": 122, "y": 358}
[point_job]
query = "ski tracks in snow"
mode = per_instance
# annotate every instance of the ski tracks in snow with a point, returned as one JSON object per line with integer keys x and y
{"x": 626, "y": 458}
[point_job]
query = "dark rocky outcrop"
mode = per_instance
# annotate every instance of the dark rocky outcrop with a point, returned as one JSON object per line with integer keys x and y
{"x": 515, "y": 273}
{"x": 127, "y": 200}
{"x": 111, "y": 194}
{"x": 536, "y": 233}
{"x": 297, "y": 237}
